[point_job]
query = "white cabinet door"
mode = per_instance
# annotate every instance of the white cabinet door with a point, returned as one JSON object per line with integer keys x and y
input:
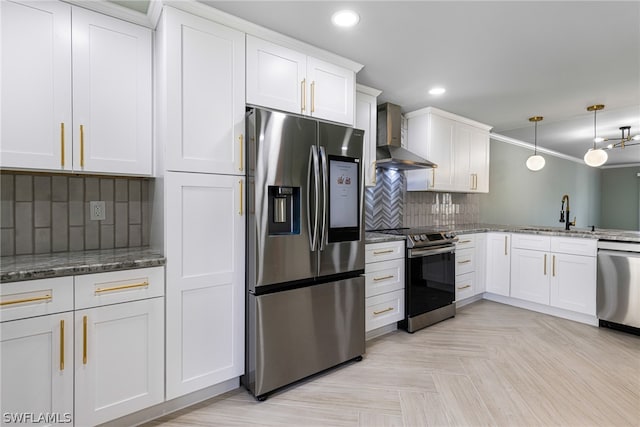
{"x": 36, "y": 375}
{"x": 205, "y": 280}
{"x": 462, "y": 179}
{"x": 332, "y": 91}
{"x": 479, "y": 160}
{"x": 481, "y": 263}
{"x": 367, "y": 120}
{"x": 36, "y": 85}
{"x": 530, "y": 275}
{"x": 119, "y": 360}
{"x": 498, "y": 263}
{"x": 112, "y": 98}
{"x": 573, "y": 283}
{"x": 276, "y": 77}
{"x": 204, "y": 64}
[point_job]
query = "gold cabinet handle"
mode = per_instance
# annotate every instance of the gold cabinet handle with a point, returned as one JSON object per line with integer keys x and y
{"x": 553, "y": 266}
{"x": 313, "y": 102}
{"x": 62, "y": 345}
{"x": 505, "y": 245}
{"x": 241, "y": 168}
{"x": 388, "y": 251}
{"x": 82, "y": 146}
{"x": 62, "y": 144}
{"x": 433, "y": 177}
{"x": 240, "y": 212}
{"x": 303, "y": 85}
{"x": 122, "y": 287}
{"x": 464, "y": 241}
{"x": 84, "y": 340}
{"x": 463, "y": 287}
{"x": 475, "y": 180}
{"x": 545, "y": 264}
{"x": 46, "y": 297}
{"x": 377, "y": 279}
{"x": 375, "y": 313}
{"x": 466, "y": 261}
{"x": 373, "y": 172}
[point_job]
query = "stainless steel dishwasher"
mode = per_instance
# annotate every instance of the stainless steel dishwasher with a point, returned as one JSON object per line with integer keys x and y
{"x": 618, "y": 297}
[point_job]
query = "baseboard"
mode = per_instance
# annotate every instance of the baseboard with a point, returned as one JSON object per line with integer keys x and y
{"x": 382, "y": 330}
{"x": 469, "y": 300}
{"x": 541, "y": 308}
{"x": 174, "y": 405}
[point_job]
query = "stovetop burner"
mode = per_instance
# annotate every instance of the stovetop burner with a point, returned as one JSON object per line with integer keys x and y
{"x": 422, "y": 237}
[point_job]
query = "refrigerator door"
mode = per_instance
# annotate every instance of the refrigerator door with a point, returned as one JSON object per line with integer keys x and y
{"x": 283, "y": 168}
{"x": 300, "y": 332}
{"x": 341, "y": 199}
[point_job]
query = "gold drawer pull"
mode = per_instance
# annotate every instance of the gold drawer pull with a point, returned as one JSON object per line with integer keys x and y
{"x": 554, "y": 266}
{"x": 46, "y": 297}
{"x": 545, "y": 264}
{"x": 121, "y": 287}
{"x": 62, "y": 145}
{"x": 377, "y": 279}
{"x": 466, "y": 261}
{"x": 82, "y": 146}
{"x": 463, "y": 287}
{"x": 388, "y": 251}
{"x": 375, "y": 313}
{"x": 84, "y": 340}
{"x": 241, "y": 168}
{"x": 464, "y": 241}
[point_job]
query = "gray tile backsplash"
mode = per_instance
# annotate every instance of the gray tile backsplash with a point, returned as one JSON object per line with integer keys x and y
{"x": 44, "y": 213}
{"x": 390, "y": 205}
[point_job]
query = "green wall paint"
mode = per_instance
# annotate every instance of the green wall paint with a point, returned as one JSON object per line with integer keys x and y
{"x": 518, "y": 196}
{"x": 620, "y": 198}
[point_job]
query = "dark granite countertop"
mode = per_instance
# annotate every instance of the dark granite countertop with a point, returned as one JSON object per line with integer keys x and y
{"x": 600, "y": 234}
{"x": 42, "y": 266}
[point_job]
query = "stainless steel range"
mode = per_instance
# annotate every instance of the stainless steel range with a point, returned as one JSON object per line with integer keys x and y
{"x": 429, "y": 276}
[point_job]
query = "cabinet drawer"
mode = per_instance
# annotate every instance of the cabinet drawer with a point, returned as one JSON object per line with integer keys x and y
{"x": 35, "y": 298}
{"x": 464, "y": 286}
{"x": 466, "y": 241}
{"x": 384, "y": 276}
{"x": 384, "y": 251}
{"x": 531, "y": 241}
{"x": 93, "y": 290}
{"x": 465, "y": 261}
{"x": 384, "y": 309}
{"x": 574, "y": 246}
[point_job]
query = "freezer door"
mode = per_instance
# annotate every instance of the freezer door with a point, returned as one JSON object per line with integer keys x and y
{"x": 341, "y": 238}
{"x": 283, "y": 164}
{"x": 296, "y": 333}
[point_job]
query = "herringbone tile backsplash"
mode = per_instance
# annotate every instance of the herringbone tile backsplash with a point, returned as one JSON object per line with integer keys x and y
{"x": 389, "y": 205}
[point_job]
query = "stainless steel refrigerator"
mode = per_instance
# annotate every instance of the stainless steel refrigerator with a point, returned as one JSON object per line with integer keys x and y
{"x": 305, "y": 248}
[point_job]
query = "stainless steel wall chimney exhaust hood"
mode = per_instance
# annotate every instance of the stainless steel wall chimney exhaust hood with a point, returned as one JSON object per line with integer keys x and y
{"x": 389, "y": 153}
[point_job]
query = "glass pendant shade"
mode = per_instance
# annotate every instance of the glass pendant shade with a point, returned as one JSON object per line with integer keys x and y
{"x": 535, "y": 163}
{"x": 596, "y": 157}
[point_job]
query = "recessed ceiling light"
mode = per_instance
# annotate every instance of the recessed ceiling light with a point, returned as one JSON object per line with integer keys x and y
{"x": 437, "y": 91}
{"x": 345, "y": 18}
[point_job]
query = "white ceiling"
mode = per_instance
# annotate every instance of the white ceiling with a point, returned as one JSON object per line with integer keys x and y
{"x": 501, "y": 61}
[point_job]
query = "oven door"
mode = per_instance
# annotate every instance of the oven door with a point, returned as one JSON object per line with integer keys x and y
{"x": 430, "y": 282}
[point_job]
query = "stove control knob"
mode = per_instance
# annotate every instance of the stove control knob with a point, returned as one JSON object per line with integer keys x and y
{"x": 423, "y": 237}
{"x": 417, "y": 238}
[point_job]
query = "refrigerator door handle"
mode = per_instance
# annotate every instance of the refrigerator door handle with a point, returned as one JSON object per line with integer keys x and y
{"x": 323, "y": 159}
{"x": 313, "y": 234}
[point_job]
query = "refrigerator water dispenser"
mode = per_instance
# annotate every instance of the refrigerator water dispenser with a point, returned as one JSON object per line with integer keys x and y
{"x": 284, "y": 210}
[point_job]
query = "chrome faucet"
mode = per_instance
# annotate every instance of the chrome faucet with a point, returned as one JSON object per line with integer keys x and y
{"x": 562, "y": 213}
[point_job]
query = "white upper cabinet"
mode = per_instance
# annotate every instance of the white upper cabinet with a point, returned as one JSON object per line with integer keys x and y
{"x": 203, "y": 79}
{"x": 36, "y": 85}
{"x": 458, "y": 146}
{"x": 287, "y": 80}
{"x": 112, "y": 95}
{"x": 367, "y": 120}
{"x": 78, "y": 101}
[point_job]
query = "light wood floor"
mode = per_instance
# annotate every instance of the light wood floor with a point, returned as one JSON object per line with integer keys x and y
{"x": 492, "y": 365}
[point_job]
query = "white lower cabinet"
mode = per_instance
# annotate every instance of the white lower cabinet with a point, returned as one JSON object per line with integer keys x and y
{"x": 204, "y": 241}
{"x": 565, "y": 279}
{"x": 119, "y": 363}
{"x": 498, "y": 263}
{"x": 99, "y": 363}
{"x": 37, "y": 369}
{"x": 384, "y": 284}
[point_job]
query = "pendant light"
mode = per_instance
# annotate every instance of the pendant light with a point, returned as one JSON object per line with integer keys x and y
{"x": 595, "y": 156}
{"x": 535, "y": 162}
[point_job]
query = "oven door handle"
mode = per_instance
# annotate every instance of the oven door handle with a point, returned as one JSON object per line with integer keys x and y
{"x": 417, "y": 253}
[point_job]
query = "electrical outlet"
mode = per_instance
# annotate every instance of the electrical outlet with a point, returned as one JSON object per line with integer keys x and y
{"x": 98, "y": 211}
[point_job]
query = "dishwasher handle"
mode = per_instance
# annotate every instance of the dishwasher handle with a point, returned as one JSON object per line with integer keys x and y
{"x": 625, "y": 254}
